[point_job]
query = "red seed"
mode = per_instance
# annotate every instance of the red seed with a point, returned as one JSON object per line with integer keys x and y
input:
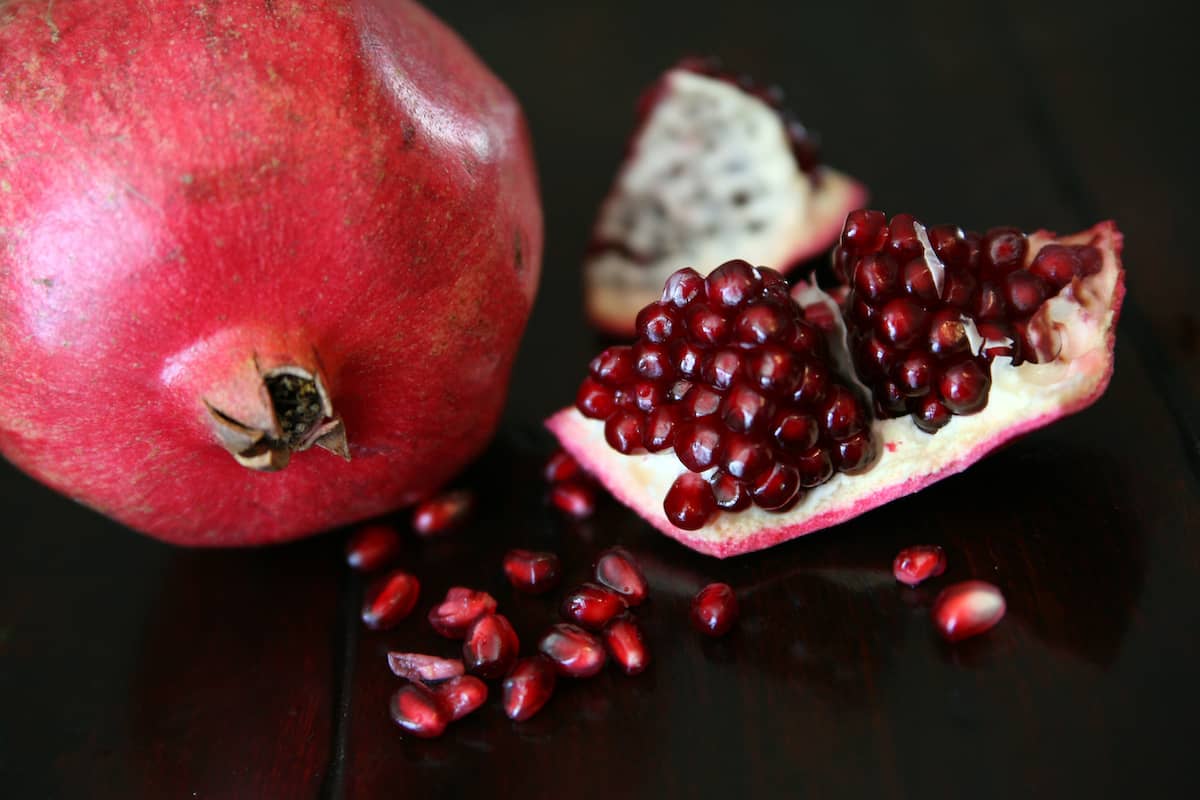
{"x": 423, "y": 668}
{"x": 454, "y": 615}
{"x": 575, "y": 499}
{"x": 595, "y": 400}
{"x": 865, "y": 231}
{"x": 918, "y": 563}
{"x": 617, "y": 570}
{"x": 592, "y": 606}
{"x": 442, "y": 513}
{"x": 419, "y": 711}
{"x": 562, "y": 467}
{"x": 491, "y": 647}
{"x": 967, "y": 609}
{"x": 626, "y": 645}
{"x": 683, "y": 287}
{"x": 372, "y": 547}
{"x": 532, "y": 572}
{"x": 613, "y": 367}
{"x": 575, "y": 652}
{"x": 714, "y": 609}
{"x": 528, "y": 687}
{"x": 689, "y": 503}
{"x": 390, "y": 600}
{"x": 462, "y": 695}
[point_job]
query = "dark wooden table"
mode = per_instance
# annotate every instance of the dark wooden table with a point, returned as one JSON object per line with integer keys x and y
{"x": 130, "y": 669}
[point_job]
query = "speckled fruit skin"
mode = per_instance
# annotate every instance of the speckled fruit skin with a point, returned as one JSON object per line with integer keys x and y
{"x": 188, "y": 186}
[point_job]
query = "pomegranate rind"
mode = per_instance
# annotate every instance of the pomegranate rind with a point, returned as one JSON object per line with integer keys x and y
{"x": 1022, "y": 399}
{"x": 618, "y": 284}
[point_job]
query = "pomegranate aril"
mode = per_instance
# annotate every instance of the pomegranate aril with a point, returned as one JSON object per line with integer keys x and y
{"x": 1057, "y": 264}
{"x": 915, "y": 374}
{"x": 731, "y": 284}
{"x": 701, "y": 401}
{"x": 918, "y": 563}
{"x": 462, "y": 695}
{"x": 813, "y": 384}
{"x": 806, "y": 340}
{"x": 745, "y": 458}
{"x": 1004, "y": 250}
{"x": 929, "y": 414}
{"x": 950, "y": 245}
{"x": 657, "y": 322}
{"x": 688, "y": 359}
{"x": 960, "y": 289}
{"x": 990, "y": 305}
{"x": 714, "y": 609}
{"x": 855, "y": 454}
{"x": 776, "y": 488}
{"x": 648, "y": 396}
{"x": 772, "y": 369}
{"x": 561, "y": 467}
{"x": 574, "y": 652}
{"x": 793, "y": 432}
{"x": 423, "y": 668}
{"x": 890, "y": 401}
{"x": 573, "y": 498}
{"x": 390, "y": 600}
{"x": 490, "y": 647}
{"x": 372, "y": 547}
{"x": 614, "y": 367}
{"x": 876, "y": 359}
{"x": 1024, "y": 292}
{"x": 595, "y": 400}
{"x": 744, "y": 410}
{"x": 729, "y": 493}
{"x": 964, "y": 387}
{"x": 814, "y": 467}
{"x": 419, "y": 711}
{"x": 707, "y": 326}
{"x": 842, "y": 414}
{"x": 625, "y": 644}
{"x": 623, "y": 431}
{"x": 528, "y": 687}
{"x": 617, "y": 570}
{"x": 689, "y": 503}
{"x": 947, "y": 334}
{"x": 653, "y": 362}
{"x": 460, "y": 608}
{"x": 902, "y": 244}
{"x": 698, "y": 444}
{"x": 443, "y": 513}
{"x": 531, "y": 571}
{"x": 875, "y": 277}
{"x": 967, "y": 609}
{"x": 901, "y": 322}
{"x": 919, "y": 282}
{"x": 658, "y": 432}
{"x": 762, "y": 323}
{"x": 865, "y": 232}
{"x": 591, "y": 606}
{"x": 722, "y": 368}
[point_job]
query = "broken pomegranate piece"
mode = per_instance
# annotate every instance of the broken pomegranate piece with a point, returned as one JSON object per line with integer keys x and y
{"x": 717, "y": 170}
{"x": 765, "y": 390}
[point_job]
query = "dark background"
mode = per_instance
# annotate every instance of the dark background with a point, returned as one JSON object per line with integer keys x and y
{"x": 130, "y": 669}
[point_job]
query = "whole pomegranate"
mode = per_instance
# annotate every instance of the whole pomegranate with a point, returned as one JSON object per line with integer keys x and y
{"x": 235, "y": 230}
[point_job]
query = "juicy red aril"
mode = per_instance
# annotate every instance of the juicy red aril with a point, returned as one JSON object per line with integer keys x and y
{"x": 919, "y": 282}
{"x": 1024, "y": 292}
{"x": 731, "y": 284}
{"x": 689, "y": 503}
{"x": 964, "y": 387}
{"x": 915, "y": 374}
{"x": 528, "y": 687}
{"x": 875, "y": 277}
{"x": 855, "y": 454}
{"x": 960, "y": 289}
{"x": 419, "y": 711}
{"x": 574, "y": 652}
{"x": 595, "y": 400}
{"x": 794, "y": 433}
{"x": 776, "y": 488}
{"x": 918, "y": 563}
{"x": 653, "y": 361}
{"x": 842, "y": 414}
{"x": 813, "y": 385}
{"x": 562, "y": 467}
{"x": 461, "y": 607}
{"x": 889, "y": 399}
{"x": 722, "y": 368}
{"x": 772, "y": 369}
{"x": 390, "y": 600}
{"x": 815, "y": 466}
{"x": 875, "y": 358}
{"x": 648, "y": 396}
{"x": 591, "y": 606}
{"x": 698, "y": 444}
{"x": 623, "y": 431}
{"x": 967, "y": 609}
{"x": 929, "y": 414}
{"x": 462, "y": 695}
{"x": 683, "y": 287}
{"x": 625, "y": 644}
{"x": 442, "y": 513}
{"x": 532, "y": 572}
{"x": 729, "y": 493}
{"x": 902, "y": 243}
{"x": 865, "y": 232}
{"x": 714, "y": 609}
{"x": 761, "y": 324}
{"x": 423, "y": 668}
{"x": 744, "y": 410}
{"x": 657, "y": 323}
{"x": 658, "y": 432}
{"x": 706, "y": 325}
{"x": 688, "y": 359}
{"x": 614, "y": 367}
{"x": 901, "y": 322}
{"x": 701, "y": 401}
{"x": 1057, "y": 264}
{"x": 745, "y": 458}
{"x": 947, "y": 334}
{"x": 490, "y": 647}
{"x": 573, "y": 498}
{"x": 1004, "y": 249}
{"x": 950, "y": 245}
{"x": 617, "y": 570}
{"x": 372, "y": 547}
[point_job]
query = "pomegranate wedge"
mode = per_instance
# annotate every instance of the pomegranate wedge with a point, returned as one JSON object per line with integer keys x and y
{"x": 771, "y": 403}
{"x": 717, "y": 170}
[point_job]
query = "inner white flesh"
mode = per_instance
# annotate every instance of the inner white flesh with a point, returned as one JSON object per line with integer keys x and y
{"x": 1021, "y": 398}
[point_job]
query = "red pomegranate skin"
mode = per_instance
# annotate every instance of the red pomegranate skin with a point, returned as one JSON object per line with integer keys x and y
{"x": 190, "y": 191}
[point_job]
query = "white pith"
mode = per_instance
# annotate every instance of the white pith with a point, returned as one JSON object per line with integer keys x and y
{"x": 1021, "y": 398}
{"x": 704, "y": 143}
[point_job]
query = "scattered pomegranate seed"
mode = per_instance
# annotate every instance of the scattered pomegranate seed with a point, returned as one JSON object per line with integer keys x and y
{"x": 372, "y": 547}
{"x": 617, "y": 570}
{"x": 454, "y": 615}
{"x": 423, "y": 668}
{"x": 419, "y": 711}
{"x": 714, "y": 609}
{"x": 967, "y": 609}
{"x": 462, "y": 695}
{"x": 443, "y": 513}
{"x": 575, "y": 652}
{"x": 491, "y": 647}
{"x": 528, "y": 687}
{"x": 532, "y": 572}
{"x": 576, "y": 499}
{"x": 390, "y": 600}
{"x": 592, "y": 606}
{"x": 624, "y": 640}
{"x": 919, "y": 563}
{"x": 562, "y": 467}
